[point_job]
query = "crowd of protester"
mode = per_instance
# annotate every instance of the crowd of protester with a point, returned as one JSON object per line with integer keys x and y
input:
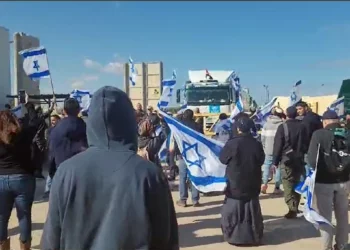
{"x": 107, "y": 188}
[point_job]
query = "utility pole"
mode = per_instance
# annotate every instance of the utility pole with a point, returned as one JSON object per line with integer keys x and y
{"x": 267, "y": 93}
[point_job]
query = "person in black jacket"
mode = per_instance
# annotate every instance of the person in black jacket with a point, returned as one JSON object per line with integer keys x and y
{"x": 39, "y": 145}
{"x": 242, "y": 221}
{"x": 289, "y": 149}
{"x": 188, "y": 120}
{"x": 148, "y": 138}
{"x": 54, "y": 119}
{"x": 69, "y": 136}
{"x": 312, "y": 122}
{"x": 108, "y": 197}
{"x": 17, "y": 181}
{"x": 239, "y": 116}
{"x": 332, "y": 187}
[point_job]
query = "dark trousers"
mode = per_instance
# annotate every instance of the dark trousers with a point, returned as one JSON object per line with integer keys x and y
{"x": 291, "y": 176}
{"x": 19, "y": 190}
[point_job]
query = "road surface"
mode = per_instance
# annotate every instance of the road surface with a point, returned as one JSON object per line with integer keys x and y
{"x": 199, "y": 228}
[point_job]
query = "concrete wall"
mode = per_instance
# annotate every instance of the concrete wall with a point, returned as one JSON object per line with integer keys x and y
{"x": 147, "y": 89}
{"x": 5, "y": 71}
{"x": 318, "y": 104}
{"x": 23, "y": 41}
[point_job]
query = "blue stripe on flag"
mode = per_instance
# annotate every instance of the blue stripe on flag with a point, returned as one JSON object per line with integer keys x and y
{"x": 168, "y": 83}
{"x": 215, "y": 148}
{"x": 33, "y": 53}
{"x": 205, "y": 181}
{"x": 39, "y": 74}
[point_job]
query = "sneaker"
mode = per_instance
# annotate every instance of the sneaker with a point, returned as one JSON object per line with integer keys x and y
{"x": 264, "y": 189}
{"x": 181, "y": 203}
{"x": 196, "y": 204}
{"x": 343, "y": 247}
{"x": 46, "y": 195}
{"x": 291, "y": 215}
{"x": 277, "y": 191}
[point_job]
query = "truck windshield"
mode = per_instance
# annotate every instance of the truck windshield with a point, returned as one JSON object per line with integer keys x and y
{"x": 208, "y": 96}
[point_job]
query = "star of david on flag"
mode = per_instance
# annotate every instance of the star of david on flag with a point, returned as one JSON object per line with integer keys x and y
{"x": 191, "y": 155}
{"x": 83, "y": 97}
{"x": 35, "y": 63}
{"x": 201, "y": 155}
{"x": 295, "y": 96}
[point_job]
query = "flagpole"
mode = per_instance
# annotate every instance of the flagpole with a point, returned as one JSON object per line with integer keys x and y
{"x": 48, "y": 65}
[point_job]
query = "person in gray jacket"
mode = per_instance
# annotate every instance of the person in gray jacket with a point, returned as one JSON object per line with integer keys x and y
{"x": 267, "y": 139}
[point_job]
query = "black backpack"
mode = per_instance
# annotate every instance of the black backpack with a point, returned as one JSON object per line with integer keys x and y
{"x": 337, "y": 157}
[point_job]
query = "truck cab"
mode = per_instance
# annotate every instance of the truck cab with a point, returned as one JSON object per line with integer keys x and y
{"x": 211, "y": 96}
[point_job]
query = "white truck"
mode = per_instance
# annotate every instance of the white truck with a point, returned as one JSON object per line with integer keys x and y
{"x": 211, "y": 92}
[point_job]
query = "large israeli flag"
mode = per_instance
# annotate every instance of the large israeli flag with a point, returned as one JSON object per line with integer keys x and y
{"x": 201, "y": 155}
{"x": 35, "y": 63}
{"x": 338, "y": 106}
{"x": 132, "y": 72}
{"x": 295, "y": 96}
{"x": 83, "y": 97}
{"x": 264, "y": 112}
{"x": 307, "y": 187}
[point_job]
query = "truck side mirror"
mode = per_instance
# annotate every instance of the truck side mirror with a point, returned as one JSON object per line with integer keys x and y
{"x": 178, "y": 95}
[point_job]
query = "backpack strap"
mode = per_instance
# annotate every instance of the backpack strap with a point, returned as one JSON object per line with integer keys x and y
{"x": 286, "y": 136}
{"x": 286, "y": 132}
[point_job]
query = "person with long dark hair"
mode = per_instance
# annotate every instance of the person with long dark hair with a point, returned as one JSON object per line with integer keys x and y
{"x": 17, "y": 181}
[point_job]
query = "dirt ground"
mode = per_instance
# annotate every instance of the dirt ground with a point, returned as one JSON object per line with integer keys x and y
{"x": 199, "y": 227}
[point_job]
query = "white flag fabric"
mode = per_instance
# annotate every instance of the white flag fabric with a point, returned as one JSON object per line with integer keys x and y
{"x": 264, "y": 112}
{"x": 308, "y": 187}
{"x": 35, "y": 63}
{"x": 338, "y": 106}
{"x": 83, "y": 97}
{"x": 163, "y": 152}
{"x": 237, "y": 109}
{"x": 168, "y": 89}
{"x": 201, "y": 155}
{"x": 295, "y": 96}
{"x": 19, "y": 111}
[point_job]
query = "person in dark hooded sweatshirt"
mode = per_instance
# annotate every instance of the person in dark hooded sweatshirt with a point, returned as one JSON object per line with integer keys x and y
{"x": 69, "y": 136}
{"x": 108, "y": 197}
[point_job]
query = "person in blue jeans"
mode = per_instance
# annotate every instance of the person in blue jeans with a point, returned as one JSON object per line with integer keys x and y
{"x": 17, "y": 180}
{"x": 267, "y": 167}
{"x": 267, "y": 139}
{"x": 183, "y": 186}
{"x": 188, "y": 120}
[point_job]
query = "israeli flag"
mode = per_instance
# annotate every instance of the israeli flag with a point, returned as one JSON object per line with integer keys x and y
{"x": 295, "y": 96}
{"x": 35, "y": 63}
{"x": 237, "y": 109}
{"x": 132, "y": 72}
{"x": 235, "y": 82}
{"x": 307, "y": 187}
{"x": 165, "y": 147}
{"x": 265, "y": 111}
{"x": 83, "y": 97}
{"x": 174, "y": 76}
{"x": 201, "y": 155}
{"x": 19, "y": 111}
{"x": 222, "y": 125}
{"x": 338, "y": 106}
{"x": 168, "y": 89}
